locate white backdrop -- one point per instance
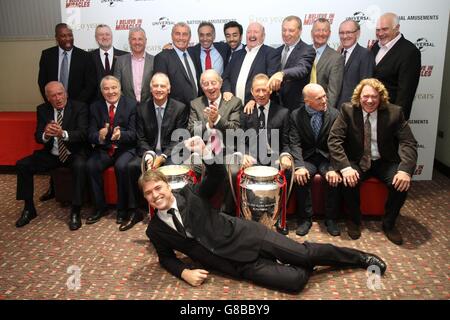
(425, 23)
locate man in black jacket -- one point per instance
(185, 222)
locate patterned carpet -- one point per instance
(34, 260)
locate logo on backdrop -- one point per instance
(78, 3)
(419, 18)
(311, 17)
(163, 22)
(424, 96)
(418, 121)
(418, 170)
(359, 17)
(426, 71)
(423, 44)
(127, 24)
(111, 3)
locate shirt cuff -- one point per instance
(65, 136)
(345, 169)
(43, 138)
(404, 172)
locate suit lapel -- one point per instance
(183, 204)
(391, 51)
(151, 119)
(147, 71)
(128, 66)
(352, 57)
(382, 119)
(67, 114)
(166, 119)
(306, 120)
(256, 62)
(176, 58)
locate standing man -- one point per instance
(208, 54)
(185, 222)
(328, 67)
(358, 61)
(255, 58)
(309, 129)
(397, 62)
(105, 57)
(112, 131)
(371, 137)
(233, 36)
(296, 59)
(179, 66)
(134, 70)
(62, 129)
(155, 122)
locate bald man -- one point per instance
(309, 129)
(398, 62)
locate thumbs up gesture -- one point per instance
(116, 134)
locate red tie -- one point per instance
(111, 122)
(208, 63)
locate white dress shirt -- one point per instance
(245, 69)
(385, 49)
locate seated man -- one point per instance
(309, 130)
(371, 137)
(155, 122)
(113, 134)
(240, 248)
(62, 129)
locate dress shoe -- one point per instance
(332, 228)
(393, 235)
(26, 217)
(96, 216)
(283, 231)
(121, 217)
(368, 259)
(303, 227)
(135, 217)
(353, 230)
(49, 194)
(75, 221)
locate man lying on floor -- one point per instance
(185, 222)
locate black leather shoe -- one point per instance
(135, 217)
(353, 230)
(121, 217)
(96, 216)
(283, 231)
(75, 221)
(49, 194)
(393, 235)
(368, 259)
(26, 217)
(332, 228)
(303, 227)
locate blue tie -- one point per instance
(316, 120)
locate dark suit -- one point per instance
(238, 247)
(81, 82)
(397, 147)
(266, 61)
(100, 69)
(312, 154)
(124, 72)
(100, 160)
(359, 66)
(296, 74)
(147, 138)
(168, 62)
(75, 122)
(399, 70)
(195, 52)
(330, 71)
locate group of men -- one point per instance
(340, 113)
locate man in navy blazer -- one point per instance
(232, 31)
(184, 78)
(358, 61)
(255, 58)
(296, 59)
(398, 62)
(112, 131)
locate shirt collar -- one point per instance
(61, 51)
(240, 47)
(391, 43)
(173, 206)
(372, 114)
(217, 101)
(110, 52)
(350, 50)
(292, 46)
(266, 106)
(133, 57)
(254, 49)
(163, 105)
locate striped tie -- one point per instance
(62, 149)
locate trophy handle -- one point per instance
(291, 183)
(152, 155)
(230, 176)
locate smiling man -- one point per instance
(371, 137)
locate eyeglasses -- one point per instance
(347, 33)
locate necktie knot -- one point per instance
(111, 108)
(171, 211)
(208, 61)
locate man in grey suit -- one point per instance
(359, 62)
(134, 70)
(328, 67)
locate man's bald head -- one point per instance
(388, 27)
(315, 96)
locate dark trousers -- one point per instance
(42, 161)
(296, 261)
(321, 165)
(385, 171)
(98, 162)
(133, 174)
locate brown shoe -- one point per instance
(393, 235)
(353, 230)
